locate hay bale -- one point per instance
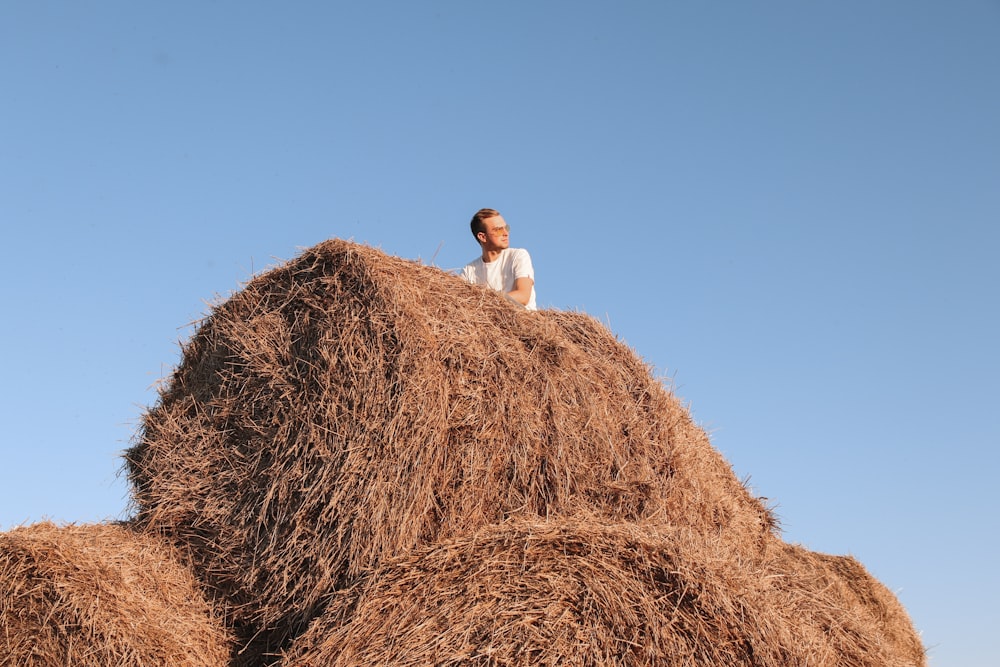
(833, 606)
(548, 593)
(101, 596)
(587, 595)
(347, 407)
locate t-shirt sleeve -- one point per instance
(522, 265)
(468, 275)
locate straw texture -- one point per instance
(585, 594)
(101, 596)
(348, 407)
(835, 612)
(544, 593)
(368, 461)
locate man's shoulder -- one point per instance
(470, 270)
(519, 255)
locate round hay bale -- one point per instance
(348, 406)
(587, 595)
(833, 606)
(101, 596)
(549, 593)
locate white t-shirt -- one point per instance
(500, 274)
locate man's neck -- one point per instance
(491, 255)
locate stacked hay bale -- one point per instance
(831, 606)
(582, 593)
(348, 407)
(548, 593)
(370, 461)
(101, 596)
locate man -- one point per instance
(500, 267)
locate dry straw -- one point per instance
(548, 593)
(348, 407)
(584, 594)
(831, 607)
(371, 462)
(101, 596)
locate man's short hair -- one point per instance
(482, 214)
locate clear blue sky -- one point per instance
(791, 209)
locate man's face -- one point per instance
(497, 234)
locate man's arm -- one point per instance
(522, 290)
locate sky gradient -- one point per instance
(789, 209)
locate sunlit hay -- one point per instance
(705, 495)
(579, 593)
(348, 406)
(549, 593)
(833, 606)
(101, 596)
